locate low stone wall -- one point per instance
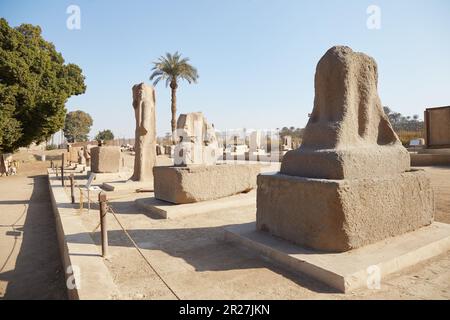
(201, 183)
(432, 159)
(85, 271)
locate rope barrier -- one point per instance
(111, 210)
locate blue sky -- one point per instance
(256, 58)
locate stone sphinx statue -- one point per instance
(350, 182)
(197, 141)
(145, 133)
(348, 134)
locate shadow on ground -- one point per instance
(202, 248)
(38, 272)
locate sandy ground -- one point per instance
(30, 265)
(189, 255)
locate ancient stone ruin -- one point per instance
(195, 176)
(255, 141)
(197, 141)
(197, 183)
(105, 159)
(350, 183)
(145, 133)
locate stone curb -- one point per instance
(87, 276)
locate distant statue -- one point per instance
(4, 163)
(81, 158)
(145, 133)
(87, 155)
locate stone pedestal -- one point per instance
(351, 270)
(200, 183)
(340, 215)
(105, 159)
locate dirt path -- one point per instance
(30, 265)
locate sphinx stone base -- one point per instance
(347, 271)
(128, 185)
(167, 210)
(196, 183)
(340, 215)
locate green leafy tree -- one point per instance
(35, 84)
(172, 68)
(105, 135)
(77, 126)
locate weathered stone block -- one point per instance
(340, 215)
(200, 183)
(349, 163)
(73, 154)
(105, 159)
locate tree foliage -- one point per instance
(171, 68)
(77, 126)
(35, 84)
(105, 135)
(403, 123)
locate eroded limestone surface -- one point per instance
(145, 133)
(200, 183)
(348, 135)
(105, 159)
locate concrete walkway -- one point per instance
(30, 266)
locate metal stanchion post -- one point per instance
(103, 224)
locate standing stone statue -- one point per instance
(4, 163)
(145, 134)
(287, 143)
(81, 158)
(87, 154)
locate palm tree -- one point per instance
(173, 68)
